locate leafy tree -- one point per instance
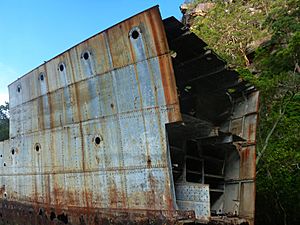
(278, 178)
(4, 121)
(231, 28)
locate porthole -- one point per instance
(42, 77)
(19, 88)
(134, 33)
(97, 140)
(37, 147)
(61, 67)
(85, 55)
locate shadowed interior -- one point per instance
(202, 149)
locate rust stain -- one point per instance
(170, 89)
(77, 181)
(41, 122)
(113, 195)
(2, 190)
(250, 130)
(25, 214)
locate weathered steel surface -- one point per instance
(213, 98)
(88, 129)
(88, 141)
(242, 172)
(192, 196)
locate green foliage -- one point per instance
(230, 28)
(278, 178)
(4, 122)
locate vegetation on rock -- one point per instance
(261, 39)
(4, 122)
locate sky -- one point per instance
(34, 31)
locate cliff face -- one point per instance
(233, 29)
(190, 11)
(261, 39)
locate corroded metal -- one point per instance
(88, 140)
(98, 112)
(192, 196)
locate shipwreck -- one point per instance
(139, 124)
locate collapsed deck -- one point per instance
(141, 123)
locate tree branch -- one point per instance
(260, 154)
(281, 114)
(277, 197)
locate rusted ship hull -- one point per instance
(139, 124)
